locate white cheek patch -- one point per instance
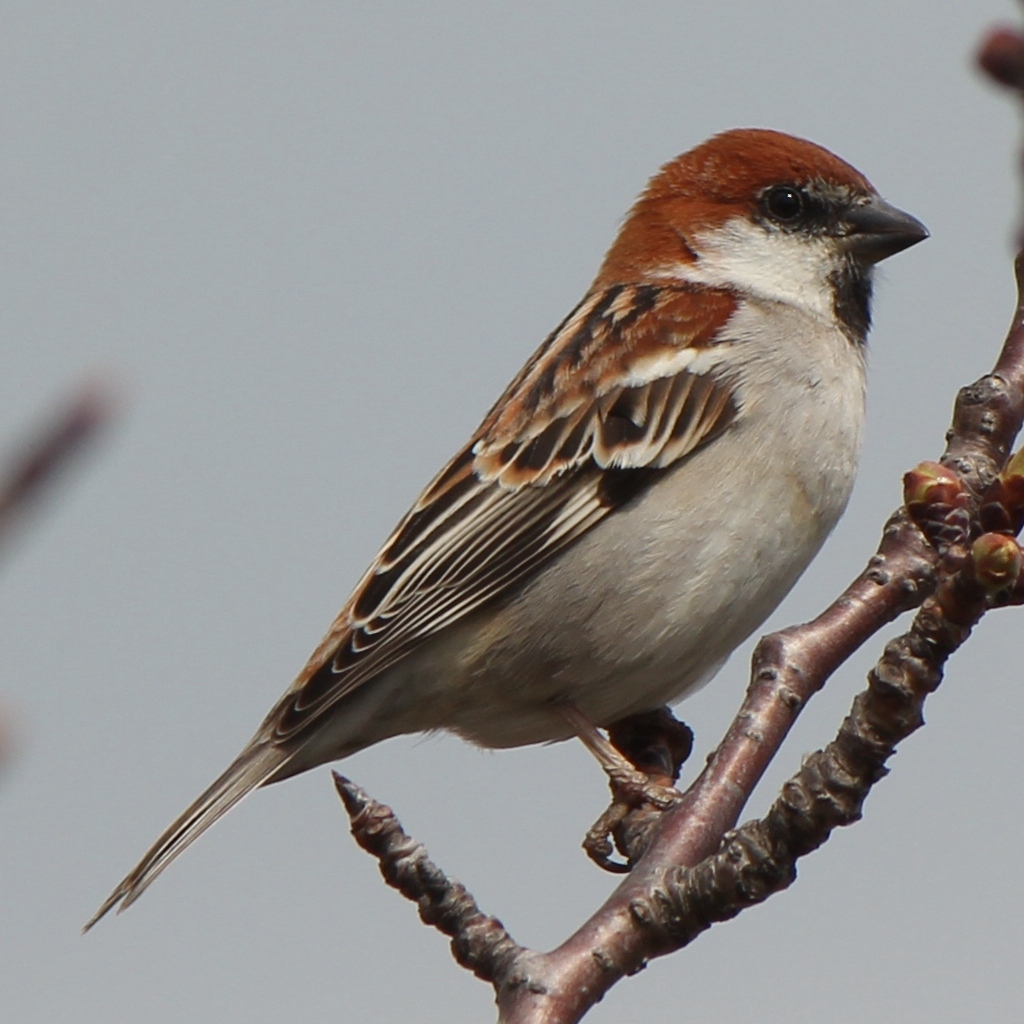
(774, 265)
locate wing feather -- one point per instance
(609, 396)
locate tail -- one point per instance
(255, 765)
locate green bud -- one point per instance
(996, 559)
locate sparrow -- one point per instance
(638, 501)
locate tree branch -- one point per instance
(479, 943)
(49, 453)
(40, 462)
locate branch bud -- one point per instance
(937, 500)
(930, 483)
(996, 559)
(1001, 57)
(1003, 507)
(1015, 467)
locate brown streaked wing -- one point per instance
(579, 433)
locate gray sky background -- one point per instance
(311, 242)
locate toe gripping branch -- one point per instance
(655, 743)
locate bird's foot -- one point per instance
(650, 749)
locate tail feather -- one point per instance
(255, 765)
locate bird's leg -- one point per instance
(641, 757)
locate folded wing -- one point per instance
(604, 406)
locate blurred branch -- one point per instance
(33, 471)
(950, 551)
(1001, 57)
(49, 453)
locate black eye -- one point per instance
(784, 203)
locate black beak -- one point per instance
(877, 230)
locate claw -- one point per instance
(637, 801)
(641, 756)
(598, 843)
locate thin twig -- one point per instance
(49, 453)
(479, 943)
(41, 461)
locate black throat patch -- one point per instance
(851, 286)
